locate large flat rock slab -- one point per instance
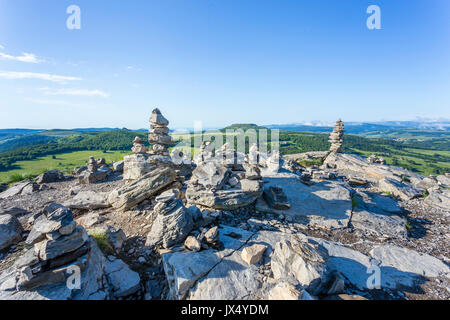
(326, 204)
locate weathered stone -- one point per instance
(286, 291)
(212, 235)
(88, 177)
(50, 249)
(50, 176)
(91, 219)
(88, 200)
(409, 261)
(222, 199)
(276, 198)
(53, 221)
(402, 190)
(118, 166)
(25, 187)
(211, 174)
(171, 228)
(123, 280)
(253, 254)
(137, 191)
(326, 205)
(439, 199)
(10, 231)
(192, 244)
(301, 261)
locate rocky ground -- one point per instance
(333, 227)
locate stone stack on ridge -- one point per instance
(159, 134)
(138, 146)
(93, 173)
(143, 160)
(59, 246)
(337, 137)
(224, 182)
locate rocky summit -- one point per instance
(226, 225)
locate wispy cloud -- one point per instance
(50, 102)
(1, 47)
(75, 92)
(42, 76)
(25, 57)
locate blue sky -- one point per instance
(221, 62)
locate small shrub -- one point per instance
(355, 202)
(407, 225)
(425, 194)
(405, 178)
(102, 240)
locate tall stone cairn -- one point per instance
(337, 137)
(159, 134)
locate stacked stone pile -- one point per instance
(95, 171)
(159, 133)
(172, 223)
(337, 137)
(225, 182)
(138, 146)
(144, 161)
(59, 247)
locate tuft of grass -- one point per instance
(407, 225)
(425, 194)
(355, 202)
(102, 240)
(17, 177)
(405, 178)
(310, 163)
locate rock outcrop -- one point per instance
(46, 270)
(173, 221)
(135, 192)
(10, 231)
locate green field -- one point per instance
(33, 155)
(64, 162)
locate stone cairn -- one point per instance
(159, 134)
(337, 137)
(97, 170)
(59, 245)
(225, 181)
(138, 146)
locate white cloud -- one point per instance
(32, 75)
(1, 47)
(75, 92)
(25, 57)
(50, 102)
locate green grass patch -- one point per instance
(102, 240)
(64, 162)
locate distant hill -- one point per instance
(243, 126)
